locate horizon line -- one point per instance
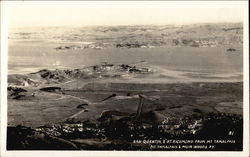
(118, 25)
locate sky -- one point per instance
(25, 14)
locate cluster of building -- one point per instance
(120, 68)
(80, 129)
(207, 43)
(100, 46)
(50, 130)
(133, 45)
(181, 126)
(77, 47)
(195, 42)
(57, 130)
(128, 130)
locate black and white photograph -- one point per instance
(139, 76)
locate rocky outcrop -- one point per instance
(16, 92)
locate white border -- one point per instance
(129, 4)
(4, 63)
(123, 4)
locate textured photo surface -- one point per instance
(151, 79)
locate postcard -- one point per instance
(125, 78)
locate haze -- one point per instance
(79, 15)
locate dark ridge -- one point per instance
(231, 49)
(51, 89)
(81, 106)
(230, 29)
(16, 89)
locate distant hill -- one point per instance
(196, 35)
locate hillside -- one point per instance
(98, 37)
(106, 70)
